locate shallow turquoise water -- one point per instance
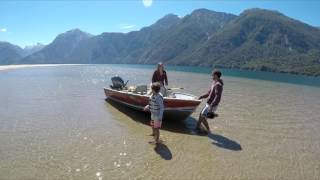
(55, 124)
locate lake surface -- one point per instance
(55, 124)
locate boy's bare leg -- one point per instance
(152, 134)
(156, 135)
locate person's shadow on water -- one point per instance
(218, 140)
(163, 151)
(224, 142)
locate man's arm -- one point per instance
(205, 95)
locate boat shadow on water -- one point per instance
(178, 126)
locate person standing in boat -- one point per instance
(156, 107)
(160, 75)
(214, 97)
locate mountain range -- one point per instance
(33, 48)
(13, 54)
(257, 39)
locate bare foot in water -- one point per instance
(156, 142)
(152, 142)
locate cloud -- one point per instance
(3, 30)
(126, 26)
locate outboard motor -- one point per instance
(118, 83)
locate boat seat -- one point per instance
(141, 89)
(131, 89)
(171, 95)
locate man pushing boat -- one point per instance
(214, 97)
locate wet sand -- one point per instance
(55, 124)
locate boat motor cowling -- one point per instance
(118, 83)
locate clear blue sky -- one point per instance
(25, 22)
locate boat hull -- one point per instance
(174, 108)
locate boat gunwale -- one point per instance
(166, 98)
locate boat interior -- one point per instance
(144, 90)
(119, 85)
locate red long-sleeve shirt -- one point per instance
(157, 77)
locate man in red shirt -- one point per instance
(160, 75)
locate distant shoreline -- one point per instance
(242, 73)
(18, 66)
